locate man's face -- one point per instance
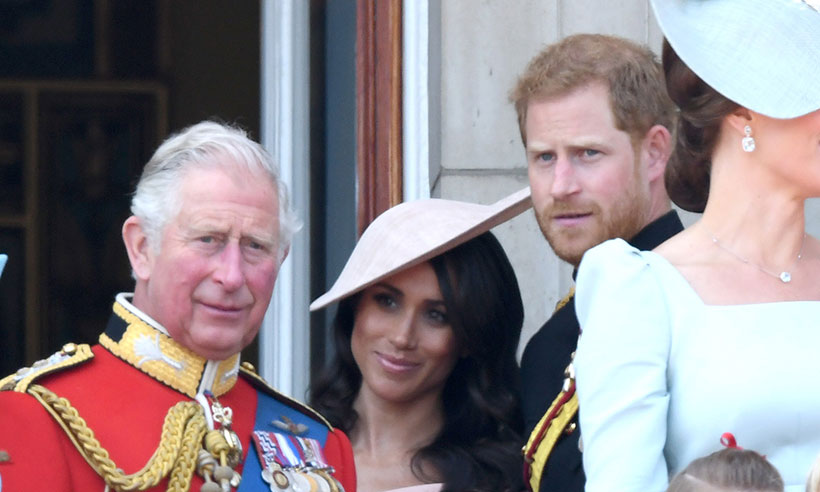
(210, 283)
(588, 185)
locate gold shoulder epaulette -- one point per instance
(555, 423)
(71, 355)
(247, 370)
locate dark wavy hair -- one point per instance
(479, 446)
(702, 109)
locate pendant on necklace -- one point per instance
(785, 277)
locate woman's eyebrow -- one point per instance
(389, 287)
(436, 303)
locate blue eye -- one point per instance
(591, 152)
(256, 246)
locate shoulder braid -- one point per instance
(174, 457)
(71, 355)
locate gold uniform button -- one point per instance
(69, 349)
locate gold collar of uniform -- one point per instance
(143, 346)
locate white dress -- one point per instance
(661, 375)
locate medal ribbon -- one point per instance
(290, 455)
(294, 443)
(310, 451)
(316, 453)
(266, 448)
(291, 452)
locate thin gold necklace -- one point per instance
(785, 276)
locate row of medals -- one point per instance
(304, 479)
(296, 479)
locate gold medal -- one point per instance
(234, 454)
(276, 477)
(280, 479)
(321, 484)
(299, 482)
(332, 484)
(314, 485)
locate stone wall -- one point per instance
(484, 45)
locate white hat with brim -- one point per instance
(413, 232)
(762, 54)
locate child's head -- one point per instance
(728, 470)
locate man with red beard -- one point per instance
(595, 121)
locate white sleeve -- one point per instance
(621, 370)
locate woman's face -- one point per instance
(793, 146)
(402, 340)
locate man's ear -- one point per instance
(657, 148)
(136, 244)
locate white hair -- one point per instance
(156, 199)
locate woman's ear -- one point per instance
(738, 119)
(136, 244)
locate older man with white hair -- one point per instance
(163, 403)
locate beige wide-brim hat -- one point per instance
(761, 54)
(414, 232)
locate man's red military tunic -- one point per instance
(124, 388)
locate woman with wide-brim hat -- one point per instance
(424, 379)
(716, 330)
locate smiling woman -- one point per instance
(424, 379)
(402, 340)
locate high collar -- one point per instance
(653, 234)
(657, 231)
(143, 343)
